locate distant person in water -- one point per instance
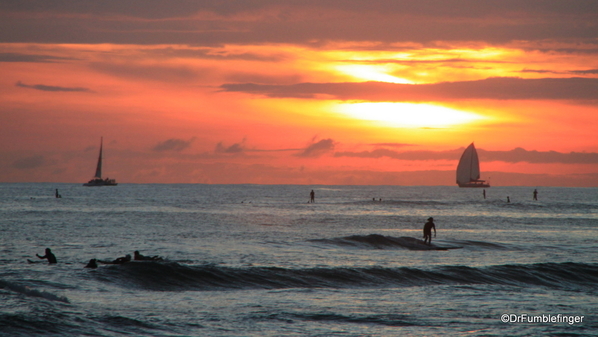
(535, 194)
(122, 260)
(484, 193)
(58, 194)
(428, 231)
(51, 258)
(508, 199)
(312, 196)
(92, 264)
(138, 257)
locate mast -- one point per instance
(474, 171)
(99, 167)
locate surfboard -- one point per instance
(443, 248)
(420, 244)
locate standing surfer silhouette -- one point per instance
(312, 196)
(428, 231)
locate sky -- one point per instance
(376, 92)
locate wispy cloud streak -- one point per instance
(53, 88)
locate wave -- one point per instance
(386, 319)
(25, 290)
(376, 241)
(172, 276)
(73, 324)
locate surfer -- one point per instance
(138, 257)
(122, 260)
(51, 257)
(119, 260)
(484, 193)
(428, 231)
(92, 264)
(57, 195)
(535, 194)
(312, 196)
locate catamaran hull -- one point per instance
(101, 182)
(94, 184)
(474, 185)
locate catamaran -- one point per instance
(468, 170)
(97, 179)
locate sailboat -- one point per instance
(97, 179)
(468, 170)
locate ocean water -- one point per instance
(257, 260)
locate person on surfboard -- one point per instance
(138, 257)
(51, 257)
(120, 260)
(428, 231)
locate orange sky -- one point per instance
(299, 92)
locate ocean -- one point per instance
(260, 260)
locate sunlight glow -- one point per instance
(371, 73)
(409, 114)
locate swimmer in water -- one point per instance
(51, 257)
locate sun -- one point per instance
(408, 114)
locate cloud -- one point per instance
(173, 144)
(44, 87)
(513, 156)
(215, 22)
(233, 149)
(521, 155)
(241, 148)
(150, 72)
(407, 155)
(29, 162)
(574, 72)
(16, 57)
(211, 54)
(318, 149)
(263, 79)
(585, 72)
(391, 144)
(514, 88)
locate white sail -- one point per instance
(468, 170)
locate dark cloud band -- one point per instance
(513, 88)
(513, 156)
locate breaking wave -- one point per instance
(376, 241)
(175, 277)
(27, 291)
